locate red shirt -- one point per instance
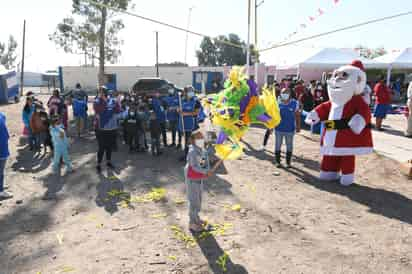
(382, 94)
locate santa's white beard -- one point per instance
(340, 93)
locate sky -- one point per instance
(276, 19)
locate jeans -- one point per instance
(2, 168)
(187, 140)
(194, 195)
(155, 145)
(279, 140)
(59, 153)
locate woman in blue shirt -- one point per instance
(4, 154)
(289, 124)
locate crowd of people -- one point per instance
(139, 118)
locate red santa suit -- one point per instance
(347, 121)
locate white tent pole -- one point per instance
(388, 75)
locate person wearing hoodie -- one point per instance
(107, 111)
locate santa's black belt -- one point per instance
(339, 124)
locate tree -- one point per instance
(370, 53)
(218, 53)
(8, 53)
(173, 64)
(92, 29)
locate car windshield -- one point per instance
(149, 84)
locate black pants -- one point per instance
(187, 139)
(267, 135)
(173, 129)
(164, 133)
(106, 140)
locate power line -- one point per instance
(163, 23)
(337, 30)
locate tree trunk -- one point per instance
(102, 36)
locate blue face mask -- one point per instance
(284, 96)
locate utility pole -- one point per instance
(257, 5)
(187, 33)
(157, 54)
(248, 38)
(22, 58)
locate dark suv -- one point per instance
(151, 86)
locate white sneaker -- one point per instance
(5, 195)
(262, 148)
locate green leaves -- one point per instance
(8, 53)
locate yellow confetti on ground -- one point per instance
(217, 230)
(113, 178)
(179, 201)
(252, 188)
(180, 235)
(99, 225)
(222, 260)
(236, 207)
(171, 257)
(117, 193)
(155, 195)
(160, 215)
(66, 269)
(59, 238)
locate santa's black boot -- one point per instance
(288, 159)
(277, 159)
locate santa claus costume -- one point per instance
(347, 120)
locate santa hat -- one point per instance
(358, 64)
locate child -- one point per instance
(289, 123)
(60, 144)
(130, 124)
(196, 170)
(26, 116)
(39, 126)
(155, 131)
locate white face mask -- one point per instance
(284, 96)
(200, 143)
(132, 113)
(171, 91)
(190, 94)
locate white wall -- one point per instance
(127, 76)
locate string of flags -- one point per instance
(312, 18)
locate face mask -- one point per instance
(284, 96)
(140, 101)
(171, 91)
(200, 143)
(131, 113)
(190, 94)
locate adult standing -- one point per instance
(55, 103)
(159, 109)
(4, 154)
(408, 132)
(172, 104)
(106, 109)
(188, 114)
(382, 102)
(80, 100)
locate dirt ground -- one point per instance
(291, 223)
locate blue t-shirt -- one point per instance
(172, 103)
(158, 108)
(4, 138)
(287, 114)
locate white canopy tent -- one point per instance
(312, 62)
(396, 60)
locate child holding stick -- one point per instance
(196, 171)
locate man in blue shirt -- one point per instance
(4, 154)
(159, 108)
(172, 104)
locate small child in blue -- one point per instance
(289, 124)
(60, 144)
